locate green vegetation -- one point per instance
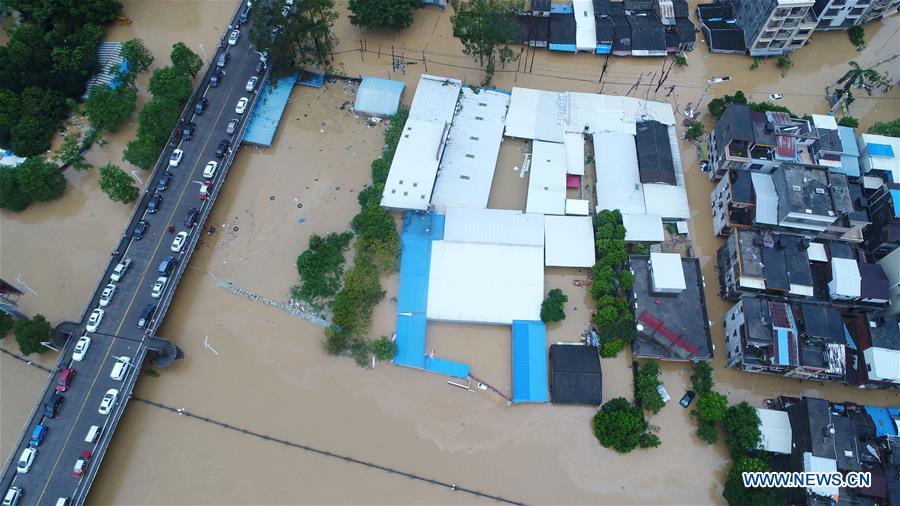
(109, 108)
(737, 495)
(755, 64)
(711, 406)
(769, 106)
(388, 14)
(321, 267)
(384, 349)
(69, 153)
(139, 58)
(681, 60)
(857, 37)
(622, 427)
(701, 379)
(889, 128)
(117, 184)
(717, 106)
(784, 64)
(553, 307)
(30, 332)
(185, 60)
(645, 383)
(849, 121)
(304, 37)
(867, 78)
(486, 28)
(611, 282)
(695, 131)
(35, 180)
(6, 324)
(741, 429)
(171, 83)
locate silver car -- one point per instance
(232, 126)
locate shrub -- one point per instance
(681, 61)
(849, 121)
(857, 37)
(609, 348)
(889, 128)
(701, 379)
(708, 431)
(645, 383)
(711, 406)
(320, 268)
(553, 307)
(695, 131)
(384, 348)
(621, 426)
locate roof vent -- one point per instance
(796, 188)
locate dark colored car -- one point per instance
(232, 126)
(146, 314)
(216, 79)
(139, 230)
(154, 203)
(65, 379)
(189, 130)
(191, 217)
(201, 105)
(222, 148)
(223, 60)
(163, 182)
(244, 16)
(51, 407)
(260, 67)
(167, 265)
(687, 398)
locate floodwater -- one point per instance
(264, 370)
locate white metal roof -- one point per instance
(813, 464)
(435, 99)
(824, 122)
(574, 143)
(884, 364)
(578, 207)
(493, 226)
(643, 228)
(585, 30)
(816, 252)
(569, 241)
(668, 271)
(466, 170)
(845, 278)
(668, 201)
(775, 427)
(535, 114)
(485, 283)
(618, 180)
(766, 198)
(547, 179)
(884, 163)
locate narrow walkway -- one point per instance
(293, 310)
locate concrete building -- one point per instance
(775, 27)
(720, 29)
(883, 235)
(877, 340)
(879, 8)
(752, 261)
(891, 266)
(840, 14)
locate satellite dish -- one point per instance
(640, 328)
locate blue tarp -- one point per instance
(895, 196)
(880, 150)
(269, 108)
(562, 9)
(604, 49)
(783, 355)
(378, 97)
(883, 420)
(850, 342)
(529, 361)
(120, 75)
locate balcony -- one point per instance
(738, 150)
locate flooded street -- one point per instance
(265, 370)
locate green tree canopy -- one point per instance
(139, 58)
(109, 108)
(69, 153)
(320, 268)
(73, 12)
(695, 131)
(12, 196)
(157, 119)
(353, 305)
(553, 307)
(486, 28)
(303, 37)
(849, 121)
(30, 332)
(742, 432)
(185, 60)
(383, 348)
(701, 379)
(171, 83)
(621, 426)
(388, 14)
(6, 324)
(867, 78)
(738, 495)
(711, 406)
(717, 106)
(117, 184)
(40, 180)
(142, 152)
(645, 387)
(378, 237)
(889, 128)
(708, 431)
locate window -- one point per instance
(830, 13)
(804, 33)
(857, 11)
(756, 166)
(768, 35)
(780, 13)
(797, 43)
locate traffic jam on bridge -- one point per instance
(61, 447)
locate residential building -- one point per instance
(839, 14)
(648, 37)
(883, 235)
(877, 342)
(775, 27)
(752, 261)
(891, 265)
(879, 8)
(575, 375)
(720, 28)
(879, 155)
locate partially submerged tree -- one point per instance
(40, 180)
(486, 28)
(646, 383)
(139, 58)
(889, 128)
(30, 333)
(108, 108)
(622, 427)
(388, 14)
(866, 78)
(185, 60)
(742, 432)
(303, 37)
(69, 153)
(553, 307)
(117, 184)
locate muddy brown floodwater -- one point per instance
(267, 371)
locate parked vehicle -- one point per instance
(94, 320)
(233, 37)
(189, 130)
(663, 393)
(241, 105)
(25, 460)
(108, 401)
(179, 241)
(38, 434)
(51, 407)
(120, 269)
(12, 496)
(222, 148)
(145, 316)
(201, 106)
(244, 16)
(62, 501)
(154, 203)
(120, 368)
(175, 157)
(251, 83)
(222, 60)
(210, 170)
(82, 463)
(107, 295)
(92, 434)
(776, 96)
(158, 287)
(81, 348)
(687, 398)
(232, 126)
(203, 194)
(139, 229)
(260, 67)
(65, 379)
(164, 181)
(190, 217)
(216, 78)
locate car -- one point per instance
(175, 158)
(201, 106)
(62, 501)
(154, 203)
(251, 83)
(203, 194)
(289, 3)
(189, 130)
(244, 16)
(108, 401)
(94, 320)
(216, 78)
(51, 407)
(120, 269)
(38, 435)
(81, 348)
(210, 170)
(233, 37)
(776, 96)
(260, 67)
(25, 460)
(285, 11)
(179, 241)
(139, 229)
(663, 393)
(120, 368)
(164, 181)
(687, 398)
(107, 295)
(232, 126)
(12, 496)
(222, 60)
(146, 314)
(190, 217)
(158, 287)
(167, 265)
(65, 379)
(222, 148)
(241, 105)
(81, 464)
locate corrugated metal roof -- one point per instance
(569, 241)
(668, 201)
(618, 181)
(574, 143)
(493, 226)
(378, 97)
(643, 228)
(766, 199)
(585, 32)
(775, 429)
(845, 278)
(547, 179)
(529, 362)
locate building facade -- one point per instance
(840, 14)
(775, 27)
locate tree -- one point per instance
(353, 305)
(40, 179)
(784, 63)
(609, 348)
(108, 108)
(681, 60)
(389, 14)
(553, 307)
(867, 78)
(889, 128)
(117, 184)
(603, 281)
(717, 106)
(711, 406)
(320, 268)
(857, 37)
(646, 383)
(9, 115)
(142, 152)
(741, 429)
(30, 332)
(185, 60)
(695, 131)
(139, 58)
(378, 237)
(69, 153)
(708, 431)
(611, 310)
(849, 121)
(486, 28)
(12, 196)
(384, 348)
(43, 12)
(303, 37)
(6, 324)
(738, 495)
(171, 83)
(157, 119)
(621, 426)
(701, 379)
(770, 107)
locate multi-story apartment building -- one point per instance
(775, 27)
(840, 14)
(879, 8)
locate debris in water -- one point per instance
(301, 220)
(271, 197)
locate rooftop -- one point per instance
(647, 33)
(378, 97)
(802, 190)
(654, 153)
(576, 377)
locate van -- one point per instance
(120, 368)
(12, 496)
(92, 434)
(168, 263)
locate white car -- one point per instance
(94, 320)
(120, 269)
(251, 83)
(210, 170)
(242, 105)
(286, 11)
(107, 295)
(26, 459)
(233, 37)
(81, 348)
(776, 96)
(179, 241)
(158, 287)
(120, 368)
(176, 157)
(108, 401)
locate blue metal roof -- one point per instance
(378, 97)
(848, 141)
(880, 150)
(883, 420)
(273, 99)
(895, 196)
(529, 361)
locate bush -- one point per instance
(784, 63)
(711, 406)
(621, 426)
(695, 131)
(857, 37)
(849, 121)
(384, 348)
(701, 379)
(353, 305)
(609, 348)
(645, 383)
(30, 333)
(336, 340)
(6, 324)
(360, 351)
(889, 128)
(553, 307)
(769, 107)
(708, 431)
(378, 238)
(320, 268)
(741, 429)
(681, 61)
